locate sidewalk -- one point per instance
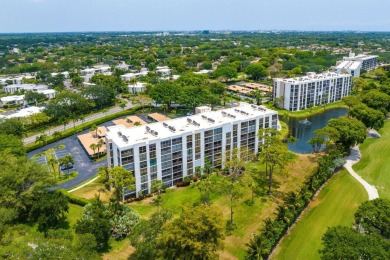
(353, 158)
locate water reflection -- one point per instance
(303, 130)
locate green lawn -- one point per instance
(248, 219)
(75, 212)
(374, 166)
(335, 205)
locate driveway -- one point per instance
(85, 167)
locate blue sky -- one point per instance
(140, 15)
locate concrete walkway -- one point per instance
(353, 158)
(84, 184)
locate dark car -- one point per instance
(66, 166)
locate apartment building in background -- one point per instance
(299, 93)
(353, 64)
(176, 148)
(369, 62)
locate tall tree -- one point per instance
(146, 233)
(166, 93)
(121, 179)
(346, 243)
(22, 183)
(256, 71)
(233, 190)
(274, 153)
(198, 234)
(351, 131)
(49, 210)
(373, 217)
(12, 144)
(12, 126)
(95, 221)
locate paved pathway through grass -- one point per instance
(353, 158)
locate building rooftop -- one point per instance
(352, 65)
(12, 98)
(158, 117)
(27, 86)
(311, 76)
(25, 112)
(124, 136)
(360, 57)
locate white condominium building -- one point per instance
(351, 67)
(173, 149)
(295, 94)
(368, 62)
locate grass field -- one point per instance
(374, 167)
(335, 205)
(248, 218)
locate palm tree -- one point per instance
(63, 120)
(67, 160)
(122, 105)
(57, 135)
(53, 163)
(93, 147)
(137, 123)
(74, 118)
(256, 247)
(41, 139)
(94, 128)
(61, 162)
(82, 118)
(99, 145)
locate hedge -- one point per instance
(73, 199)
(82, 127)
(294, 203)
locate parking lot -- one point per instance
(41, 160)
(61, 153)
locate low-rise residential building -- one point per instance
(136, 88)
(12, 100)
(163, 71)
(98, 69)
(131, 76)
(25, 87)
(65, 73)
(25, 112)
(173, 149)
(15, 79)
(299, 93)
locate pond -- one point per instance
(303, 129)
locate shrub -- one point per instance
(288, 212)
(73, 199)
(187, 180)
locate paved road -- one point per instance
(353, 158)
(49, 132)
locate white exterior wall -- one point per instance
(226, 127)
(302, 99)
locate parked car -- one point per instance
(66, 167)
